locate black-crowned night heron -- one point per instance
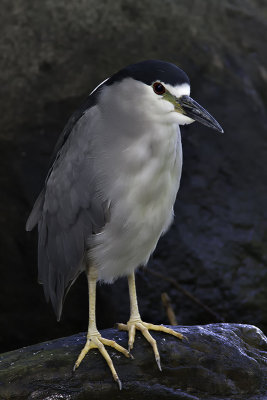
(109, 194)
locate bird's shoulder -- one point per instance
(68, 130)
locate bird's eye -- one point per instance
(158, 88)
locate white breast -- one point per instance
(141, 180)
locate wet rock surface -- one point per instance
(218, 361)
(52, 55)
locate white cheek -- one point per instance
(166, 106)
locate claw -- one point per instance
(158, 362)
(119, 383)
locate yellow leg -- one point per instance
(135, 322)
(94, 338)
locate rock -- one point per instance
(222, 361)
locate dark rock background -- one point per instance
(52, 55)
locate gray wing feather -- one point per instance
(68, 211)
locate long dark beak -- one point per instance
(193, 110)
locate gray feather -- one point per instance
(68, 210)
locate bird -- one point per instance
(110, 190)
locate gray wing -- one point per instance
(68, 210)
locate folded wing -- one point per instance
(68, 210)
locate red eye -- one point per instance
(158, 88)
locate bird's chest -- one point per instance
(150, 179)
(146, 185)
(142, 182)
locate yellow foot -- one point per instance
(144, 328)
(96, 341)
